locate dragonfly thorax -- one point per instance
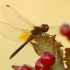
(44, 27)
(39, 30)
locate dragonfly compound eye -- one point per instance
(44, 27)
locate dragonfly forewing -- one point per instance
(13, 17)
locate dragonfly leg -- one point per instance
(45, 34)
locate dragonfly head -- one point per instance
(44, 27)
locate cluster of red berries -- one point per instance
(65, 30)
(46, 60)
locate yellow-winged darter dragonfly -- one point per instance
(20, 27)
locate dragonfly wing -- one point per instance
(13, 33)
(15, 18)
(54, 30)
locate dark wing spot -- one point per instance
(7, 5)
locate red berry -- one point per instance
(48, 59)
(24, 67)
(40, 66)
(65, 29)
(68, 36)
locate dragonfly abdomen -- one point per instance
(27, 41)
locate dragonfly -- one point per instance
(20, 28)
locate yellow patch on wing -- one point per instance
(24, 35)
